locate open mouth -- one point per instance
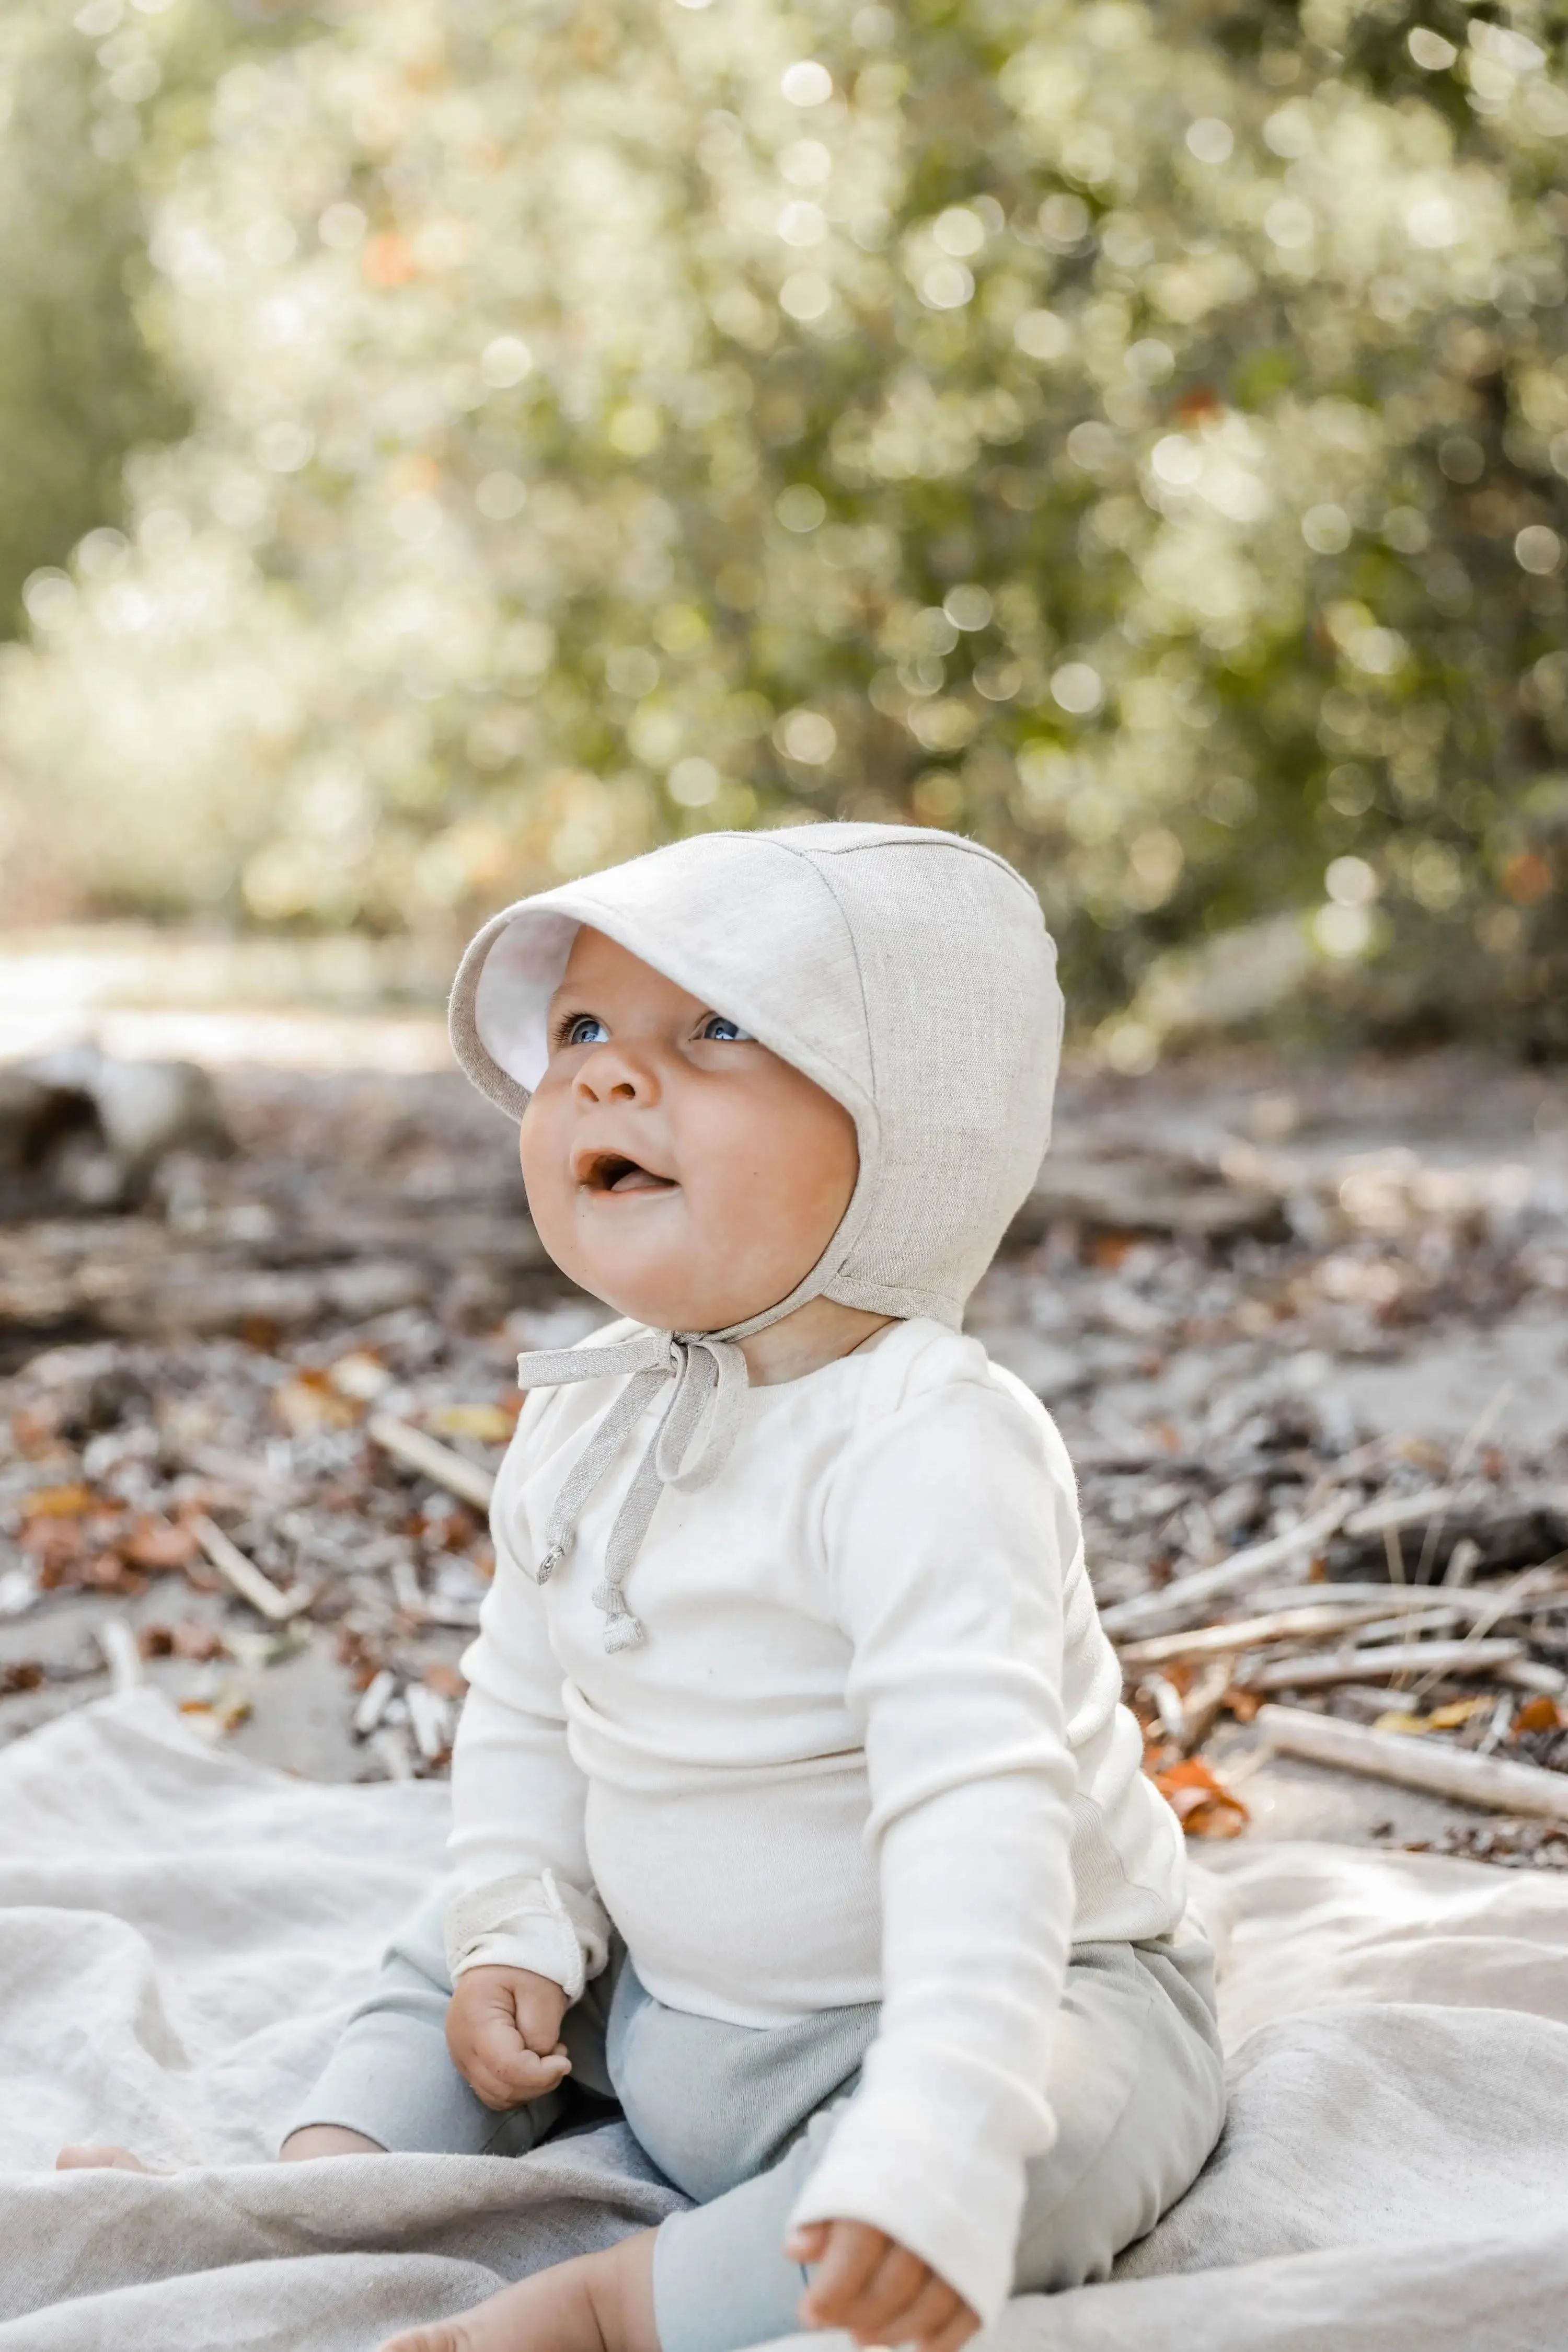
(612, 1171)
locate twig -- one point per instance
(1434, 1534)
(1415, 1763)
(1472, 1600)
(1303, 1622)
(453, 1471)
(1392, 1512)
(244, 1576)
(1206, 1696)
(121, 1657)
(430, 1718)
(1433, 1658)
(377, 1697)
(1501, 1602)
(1187, 1592)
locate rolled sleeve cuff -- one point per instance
(891, 2164)
(526, 1923)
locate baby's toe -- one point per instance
(98, 2159)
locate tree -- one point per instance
(1136, 437)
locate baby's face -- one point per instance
(676, 1168)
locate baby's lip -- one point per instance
(605, 1173)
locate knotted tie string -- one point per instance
(691, 1444)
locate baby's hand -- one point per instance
(867, 2283)
(503, 2029)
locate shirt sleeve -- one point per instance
(949, 1537)
(522, 1893)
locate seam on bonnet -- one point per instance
(813, 861)
(924, 840)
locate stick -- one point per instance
(1286, 1624)
(1388, 1658)
(1395, 1511)
(453, 1472)
(1462, 1461)
(377, 1696)
(1522, 1593)
(245, 1577)
(1415, 1763)
(121, 1657)
(1302, 1539)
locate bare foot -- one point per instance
(600, 2303)
(326, 2139)
(313, 2139)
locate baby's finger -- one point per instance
(854, 2251)
(807, 2244)
(886, 2295)
(505, 2077)
(958, 2332)
(499, 2048)
(933, 2309)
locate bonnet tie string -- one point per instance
(695, 1434)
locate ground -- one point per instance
(1245, 1284)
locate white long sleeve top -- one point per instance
(872, 1751)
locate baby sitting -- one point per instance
(794, 1807)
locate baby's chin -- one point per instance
(668, 1297)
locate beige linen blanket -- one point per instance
(181, 1932)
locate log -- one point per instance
(1416, 1762)
(453, 1472)
(1187, 1592)
(1388, 1658)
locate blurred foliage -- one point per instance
(79, 388)
(1137, 437)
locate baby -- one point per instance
(794, 1806)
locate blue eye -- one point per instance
(726, 1032)
(585, 1029)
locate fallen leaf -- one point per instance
(1460, 1710)
(188, 1639)
(309, 1403)
(1539, 1714)
(1204, 1806)
(1442, 1718)
(58, 1502)
(219, 1715)
(491, 1423)
(446, 1681)
(158, 1544)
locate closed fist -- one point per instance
(503, 2029)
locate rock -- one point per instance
(1149, 1192)
(78, 1131)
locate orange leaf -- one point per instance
(57, 1502)
(1204, 1806)
(1541, 1714)
(156, 1545)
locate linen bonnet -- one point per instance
(909, 973)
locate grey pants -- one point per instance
(737, 2116)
